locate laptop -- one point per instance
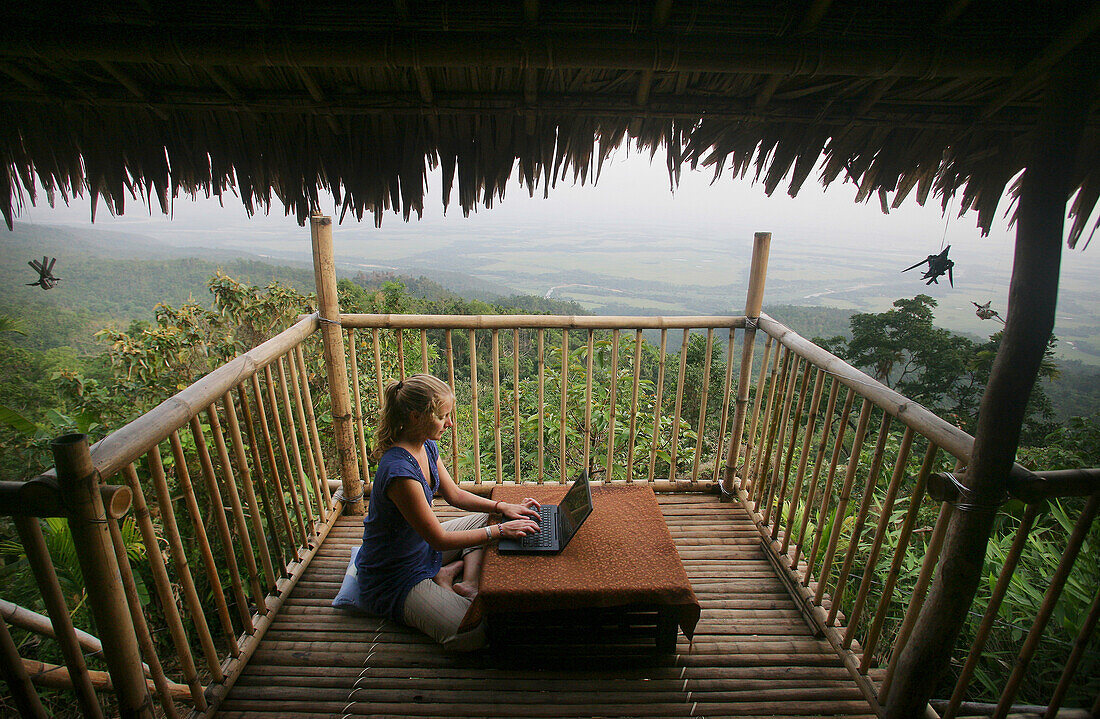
(557, 522)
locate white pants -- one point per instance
(438, 611)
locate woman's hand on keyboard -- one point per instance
(528, 509)
(518, 528)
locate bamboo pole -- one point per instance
(770, 428)
(495, 349)
(324, 267)
(15, 674)
(474, 407)
(826, 428)
(377, 345)
(454, 412)
(1080, 644)
(542, 402)
(612, 409)
(564, 396)
(275, 473)
(558, 322)
(751, 446)
(38, 557)
(515, 406)
(212, 576)
(236, 508)
(249, 490)
(297, 477)
(265, 496)
(754, 298)
(52, 676)
(77, 476)
(678, 406)
(588, 400)
(789, 458)
(804, 456)
(34, 622)
(701, 429)
(141, 627)
(827, 491)
(399, 335)
(307, 396)
(424, 351)
(657, 406)
(359, 433)
(727, 386)
(218, 510)
(634, 405)
(759, 444)
(312, 490)
(179, 558)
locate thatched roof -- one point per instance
(151, 99)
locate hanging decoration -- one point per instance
(46, 279)
(938, 266)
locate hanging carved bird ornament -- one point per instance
(46, 280)
(985, 312)
(938, 266)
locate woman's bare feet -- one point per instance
(446, 575)
(465, 589)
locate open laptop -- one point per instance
(558, 522)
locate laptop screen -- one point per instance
(575, 507)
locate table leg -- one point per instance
(667, 629)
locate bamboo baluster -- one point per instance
(203, 541)
(752, 446)
(861, 515)
(454, 412)
(564, 395)
(364, 469)
(218, 510)
(727, 387)
(634, 405)
(703, 408)
(265, 496)
(249, 490)
(163, 587)
(141, 628)
(1079, 645)
(767, 424)
(904, 537)
(474, 408)
(288, 471)
(38, 557)
(916, 601)
(826, 428)
(804, 455)
(271, 462)
(313, 489)
(880, 535)
(588, 400)
(657, 406)
(991, 610)
(827, 491)
(542, 403)
(769, 428)
(613, 408)
(842, 504)
(1050, 598)
(779, 440)
(790, 452)
(515, 404)
(377, 365)
(298, 482)
(183, 569)
(496, 406)
(424, 351)
(312, 417)
(399, 334)
(678, 405)
(238, 510)
(14, 673)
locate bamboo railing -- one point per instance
(238, 503)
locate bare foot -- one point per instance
(465, 589)
(446, 575)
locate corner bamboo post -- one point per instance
(312, 418)
(141, 627)
(213, 578)
(515, 405)
(314, 486)
(727, 385)
(495, 351)
(542, 400)
(79, 480)
(588, 399)
(826, 428)
(754, 299)
(249, 490)
(276, 475)
(703, 398)
(794, 424)
(265, 495)
(296, 481)
(359, 432)
(613, 407)
(804, 456)
(454, 412)
(657, 406)
(827, 490)
(678, 405)
(324, 266)
(38, 557)
(475, 430)
(564, 405)
(179, 558)
(23, 694)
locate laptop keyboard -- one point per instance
(544, 537)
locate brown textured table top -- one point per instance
(622, 555)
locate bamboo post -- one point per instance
(280, 442)
(23, 693)
(495, 351)
(612, 406)
(786, 472)
(296, 481)
(80, 481)
(400, 336)
(701, 429)
(564, 408)
(827, 490)
(324, 267)
(678, 405)
(1080, 644)
(588, 399)
(474, 413)
(454, 412)
(748, 479)
(515, 404)
(314, 487)
(363, 470)
(834, 391)
(542, 400)
(758, 272)
(657, 406)
(249, 490)
(312, 418)
(254, 448)
(727, 385)
(377, 346)
(424, 351)
(767, 425)
(800, 473)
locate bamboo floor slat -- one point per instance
(753, 654)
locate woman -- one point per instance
(412, 568)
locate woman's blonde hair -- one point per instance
(419, 393)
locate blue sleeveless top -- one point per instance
(394, 558)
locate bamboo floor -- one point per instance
(753, 654)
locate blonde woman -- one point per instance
(412, 568)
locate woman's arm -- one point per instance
(458, 497)
(408, 496)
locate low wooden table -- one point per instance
(622, 560)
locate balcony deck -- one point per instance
(753, 654)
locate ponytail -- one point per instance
(419, 393)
